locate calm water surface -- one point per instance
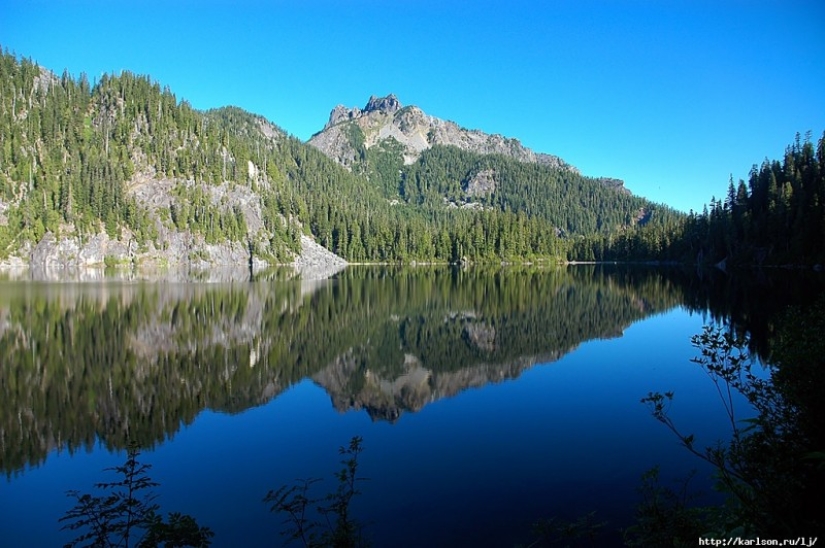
(486, 399)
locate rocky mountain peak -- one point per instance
(341, 114)
(385, 105)
(389, 104)
(384, 118)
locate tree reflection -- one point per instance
(120, 362)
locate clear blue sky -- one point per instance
(672, 96)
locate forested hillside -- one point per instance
(572, 203)
(74, 157)
(777, 217)
(124, 158)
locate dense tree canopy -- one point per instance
(777, 217)
(72, 153)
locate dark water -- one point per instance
(486, 399)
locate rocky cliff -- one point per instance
(383, 118)
(122, 173)
(174, 252)
(184, 257)
(179, 255)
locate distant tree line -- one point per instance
(777, 217)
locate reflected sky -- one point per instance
(566, 438)
(476, 466)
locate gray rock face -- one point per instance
(316, 262)
(174, 254)
(384, 117)
(73, 258)
(52, 253)
(186, 257)
(481, 184)
(342, 114)
(388, 104)
(615, 184)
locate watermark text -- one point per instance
(738, 541)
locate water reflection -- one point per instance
(120, 362)
(129, 361)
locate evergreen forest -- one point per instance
(776, 218)
(74, 155)
(122, 156)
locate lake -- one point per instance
(486, 399)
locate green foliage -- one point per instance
(70, 153)
(778, 217)
(65, 154)
(384, 164)
(798, 352)
(356, 139)
(69, 165)
(198, 214)
(666, 517)
(126, 515)
(766, 468)
(334, 526)
(563, 199)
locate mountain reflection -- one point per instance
(121, 362)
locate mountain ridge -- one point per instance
(167, 184)
(385, 117)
